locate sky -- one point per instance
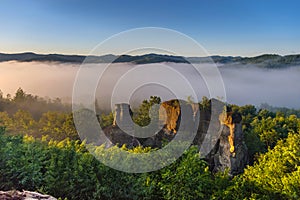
(223, 27)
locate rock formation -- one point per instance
(25, 195)
(230, 150)
(169, 114)
(219, 134)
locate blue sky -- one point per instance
(224, 27)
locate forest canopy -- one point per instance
(40, 151)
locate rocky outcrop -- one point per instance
(169, 114)
(219, 134)
(25, 195)
(230, 151)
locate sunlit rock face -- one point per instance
(169, 115)
(228, 149)
(177, 115)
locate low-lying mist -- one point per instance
(243, 84)
(252, 85)
(42, 79)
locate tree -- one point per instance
(20, 95)
(57, 125)
(6, 121)
(68, 127)
(278, 170)
(23, 122)
(271, 129)
(106, 120)
(205, 103)
(145, 114)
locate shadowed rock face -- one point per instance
(230, 151)
(228, 147)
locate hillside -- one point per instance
(263, 61)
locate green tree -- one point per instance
(58, 125)
(6, 121)
(271, 129)
(278, 170)
(187, 178)
(274, 176)
(144, 114)
(23, 122)
(106, 120)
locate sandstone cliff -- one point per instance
(230, 151)
(219, 134)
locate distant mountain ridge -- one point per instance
(264, 61)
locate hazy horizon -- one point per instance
(151, 52)
(243, 84)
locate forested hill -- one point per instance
(264, 61)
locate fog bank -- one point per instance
(243, 84)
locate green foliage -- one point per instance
(254, 144)
(274, 176)
(205, 103)
(106, 120)
(262, 130)
(60, 165)
(144, 114)
(285, 111)
(278, 170)
(23, 121)
(58, 125)
(35, 105)
(248, 113)
(5, 120)
(271, 129)
(188, 178)
(65, 169)
(70, 171)
(20, 95)
(2, 130)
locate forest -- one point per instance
(41, 151)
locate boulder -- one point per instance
(25, 195)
